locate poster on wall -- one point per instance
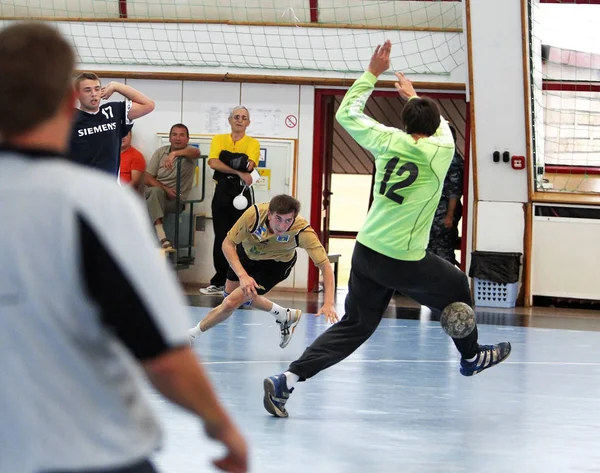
(263, 183)
(262, 160)
(217, 119)
(265, 122)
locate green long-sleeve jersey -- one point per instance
(408, 181)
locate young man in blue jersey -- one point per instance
(390, 251)
(99, 127)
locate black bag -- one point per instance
(501, 268)
(230, 183)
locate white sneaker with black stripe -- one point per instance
(287, 328)
(212, 290)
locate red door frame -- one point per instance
(317, 169)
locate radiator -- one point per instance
(566, 252)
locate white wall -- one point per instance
(500, 226)
(499, 116)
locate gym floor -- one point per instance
(399, 402)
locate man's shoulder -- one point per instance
(136, 153)
(262, 206)
(219, 140)
(252, 140)
(132, 154)
(90, 191)
(300, 223)
(81, 116)
(112, 104)
(219, 137)
(162, 150)
(84, 184)
(457, 159)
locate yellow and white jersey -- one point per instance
(252, 231)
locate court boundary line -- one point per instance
(391, 361)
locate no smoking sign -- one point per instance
(291, 121)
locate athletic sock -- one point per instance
(194, 331)
(291, 379)
(279, 312)
(160, 231)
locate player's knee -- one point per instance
(154, 192)
(251, 300)
(231, 302)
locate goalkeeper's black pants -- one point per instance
(432, 281)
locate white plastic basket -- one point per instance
(493, 294)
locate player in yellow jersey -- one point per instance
(261, 251)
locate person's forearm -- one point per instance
(190, 152)
(180, 378)
(132, 94)
(220, 166)
(328, 283)
(230, 253)
(367, 132)
(151, 181)
(140, 104)
(137, 179)
(452, 203)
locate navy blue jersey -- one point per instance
(96, 137)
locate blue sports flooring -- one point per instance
(399, 403)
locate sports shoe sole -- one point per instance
(271, 408)
(211, 293)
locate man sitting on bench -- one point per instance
(161, 178)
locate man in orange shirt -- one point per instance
(133, 165)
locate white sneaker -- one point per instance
(287, 328)
(212, 290)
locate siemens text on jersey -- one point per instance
(97, 129)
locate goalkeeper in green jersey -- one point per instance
(390, 251)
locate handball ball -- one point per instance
(240, 202)
(458, 320)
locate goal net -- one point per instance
(565, 59)
(309, 38)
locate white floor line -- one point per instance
(549, 363)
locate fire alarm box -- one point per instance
(518, 162)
